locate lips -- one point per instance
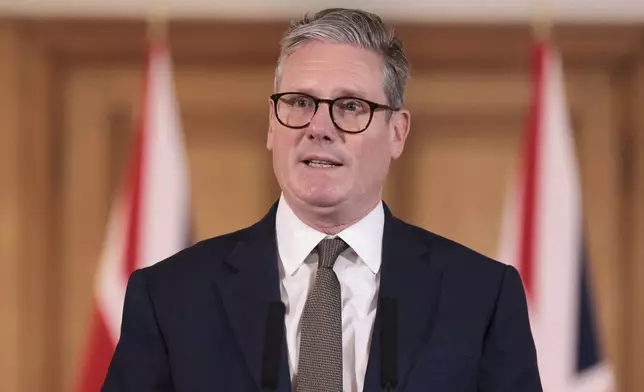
(320, 164)
(321, 161)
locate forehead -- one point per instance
(329, 70)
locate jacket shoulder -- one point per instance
(194, 260)
(471, 281)
(455, 256)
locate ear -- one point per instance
(400, 125)
(269, 136)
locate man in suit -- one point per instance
(370, 302)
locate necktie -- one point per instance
(320, 359)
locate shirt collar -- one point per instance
(295, 239)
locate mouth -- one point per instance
(319, 163)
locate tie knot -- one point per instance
(329, 249)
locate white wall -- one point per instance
(428, 10)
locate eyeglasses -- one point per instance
(349, 114)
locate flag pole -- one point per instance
(157, 23)
(542, 21)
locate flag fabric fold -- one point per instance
(149, 219)
(542, 235)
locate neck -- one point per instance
(331, 220)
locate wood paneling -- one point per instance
(443, 45)
(11, 205)
(28, 263)
(69, 94)
(635, 233)
(459, 172)
(599, 154)
(39, 278)
(85, 201)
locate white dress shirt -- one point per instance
(357, 269)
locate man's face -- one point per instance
(361, 161)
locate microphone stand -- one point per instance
(388, 309)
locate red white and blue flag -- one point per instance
(149, 220)
(542, 235)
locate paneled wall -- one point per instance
(69, 94)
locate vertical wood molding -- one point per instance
(39, 265)
(599, 156)
(27, 260)
(11, 206)
(85, 203)
(635, 339)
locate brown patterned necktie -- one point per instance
(320, 359)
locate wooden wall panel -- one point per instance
(635, 233)
(27, 209)
(39, 279)
(459, 175)
(57, 178)
(598, 143)
(84, 202)
(11, 206)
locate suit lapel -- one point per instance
(413, 280)
(250, 284)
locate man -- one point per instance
(370, 302)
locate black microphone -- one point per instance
(388, 344)
(273, 345)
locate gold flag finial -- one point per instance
(158, 21)
(542, 20)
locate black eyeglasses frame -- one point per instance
(330, 102)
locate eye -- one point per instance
(297, 101)
(302, 103)
(354, 106)
(351, 106)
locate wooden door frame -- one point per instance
(38, 54)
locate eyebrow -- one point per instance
(343, 92)
(352, 92)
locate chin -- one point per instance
(321, 198)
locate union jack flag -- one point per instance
(149, 221)
(542, 235)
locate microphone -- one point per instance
(272, 345)
(388, 344)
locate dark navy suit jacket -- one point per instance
(195, 322)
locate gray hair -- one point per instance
(355, 27)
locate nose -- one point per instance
(321, 127)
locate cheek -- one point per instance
(284, 145)
(283, 139)
(372, 155)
